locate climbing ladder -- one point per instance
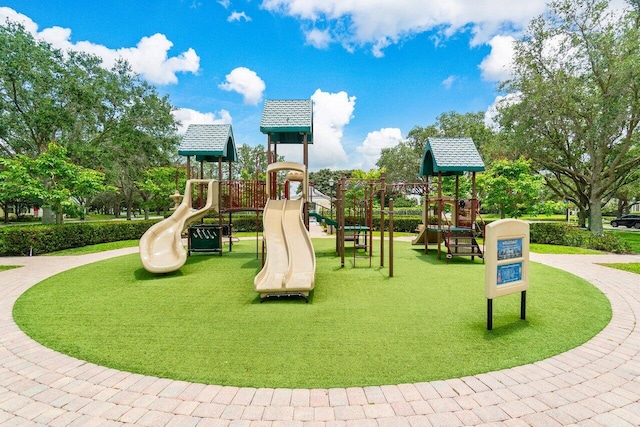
(462, 242)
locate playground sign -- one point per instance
(506, 262)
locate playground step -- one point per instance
(462, 243)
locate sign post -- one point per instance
(506, 263)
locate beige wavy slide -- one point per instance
(161, 248)
(290, 265)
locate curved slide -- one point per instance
(290, 265)
(425, 233)
(161, 248)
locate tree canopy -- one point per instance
(107, 120)
(577, 82)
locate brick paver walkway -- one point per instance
(595, 384)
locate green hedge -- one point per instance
(241, 222)
(554, 233)
(41, 239)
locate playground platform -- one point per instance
(595, 384)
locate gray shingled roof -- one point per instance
(286, 120)
(209, 143)
(451, 156)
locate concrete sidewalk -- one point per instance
(594, 384)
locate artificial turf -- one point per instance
(206, 324)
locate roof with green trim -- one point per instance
(286, 121)
(209, 143)
(450, 156)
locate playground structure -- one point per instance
(354, 207)
(458, 230)
(290, 264)
(161, 248)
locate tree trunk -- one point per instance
(5, 209)
(582, 218)
(595, 217)
(59, 215)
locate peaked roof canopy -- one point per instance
(450, 156)
(286, 121)
(209, 143)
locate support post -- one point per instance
(340, 212)
(390, 237)
(220, 200)
(425, 218)
(523, 305)
(305, 155)
(489, 314)
(440, 213)
(456, 207)
(382, 196)
(474, 202)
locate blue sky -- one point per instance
(374, 68)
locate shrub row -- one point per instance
(41, 239)
(567, 235)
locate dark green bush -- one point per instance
(241, 222)
(41, 239)
(554, 233)
(407, 224)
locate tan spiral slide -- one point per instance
(161, 248)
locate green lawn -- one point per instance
(633, 267)
(96, 248)
(204, 323)
(8, 267)
(557, 249)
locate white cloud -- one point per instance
(375, 142)
(491, 114)
(149, 57)
(237, 16)
(224, 3)
(449, 81)
(187, 116)
(331, 113)
(380, 23)
(320, 39)
(247, 83)
(498, 65)
(6, 13)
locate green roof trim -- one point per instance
(450, 156)
(287, 121)
(209, 143)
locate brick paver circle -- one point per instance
(596, 383)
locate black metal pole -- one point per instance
(523, 305)
(489, 314)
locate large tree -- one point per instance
(51, 178)
(109, 120)
(510, 187)
(402, 162)
(577, 81)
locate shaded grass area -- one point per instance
(204, 323)
(90, 249)
(8, 267)
(633, 267)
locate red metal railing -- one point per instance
(242, 195)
